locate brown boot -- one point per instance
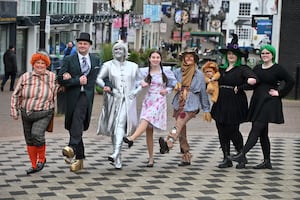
(171, 138)
(185, 159)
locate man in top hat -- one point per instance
(189, 98)
(78, 75)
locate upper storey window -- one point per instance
(54, 7)
(245, 9)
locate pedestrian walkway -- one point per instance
(99, 180)
(202, 180)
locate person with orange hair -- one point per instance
(34, 99)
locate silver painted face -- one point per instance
(119, 53)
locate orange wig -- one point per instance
(40, 55)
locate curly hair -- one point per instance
(40, 55)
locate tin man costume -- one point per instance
(119, 114)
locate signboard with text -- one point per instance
(152, 12)
(255, 18)
(264, 26)
(8, 11)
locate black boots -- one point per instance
(266, 164)
(226, 160)
(163, 146)
(241, 159)
(225, 163)
(228, 163)
(241, 165)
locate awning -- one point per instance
(242, 22)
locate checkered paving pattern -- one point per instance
(166, 180)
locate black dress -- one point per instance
(232, 108)
(264, 107)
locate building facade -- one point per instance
(255, 22)
(65, 19)
(8, 24)
(19, 25)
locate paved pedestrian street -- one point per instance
(202, 180)
(166, 180)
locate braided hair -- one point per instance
(149, 77)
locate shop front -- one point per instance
(8, 14)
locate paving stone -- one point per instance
(166, 180)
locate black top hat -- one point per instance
(233, 46)
(84, 37)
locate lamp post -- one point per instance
(221, 16)
(43, 11)
(181, 25)
(122, 7)
(181, 18)
(123, 29)
(204, 11)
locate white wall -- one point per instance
(258, 7)
(33, 44)
(276, 29)
(85, 6)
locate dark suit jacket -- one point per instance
(71, 65)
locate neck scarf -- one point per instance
(188, 72)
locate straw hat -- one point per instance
(189, 51)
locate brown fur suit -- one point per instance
(211, 75)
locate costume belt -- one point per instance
(227, 86)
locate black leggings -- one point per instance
(229, 132)
(259, 130)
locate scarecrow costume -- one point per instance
(189, 98)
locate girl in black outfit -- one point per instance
(230, 110)
(266, 106)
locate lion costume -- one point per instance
(211, 76)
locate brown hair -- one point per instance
(149, 77)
